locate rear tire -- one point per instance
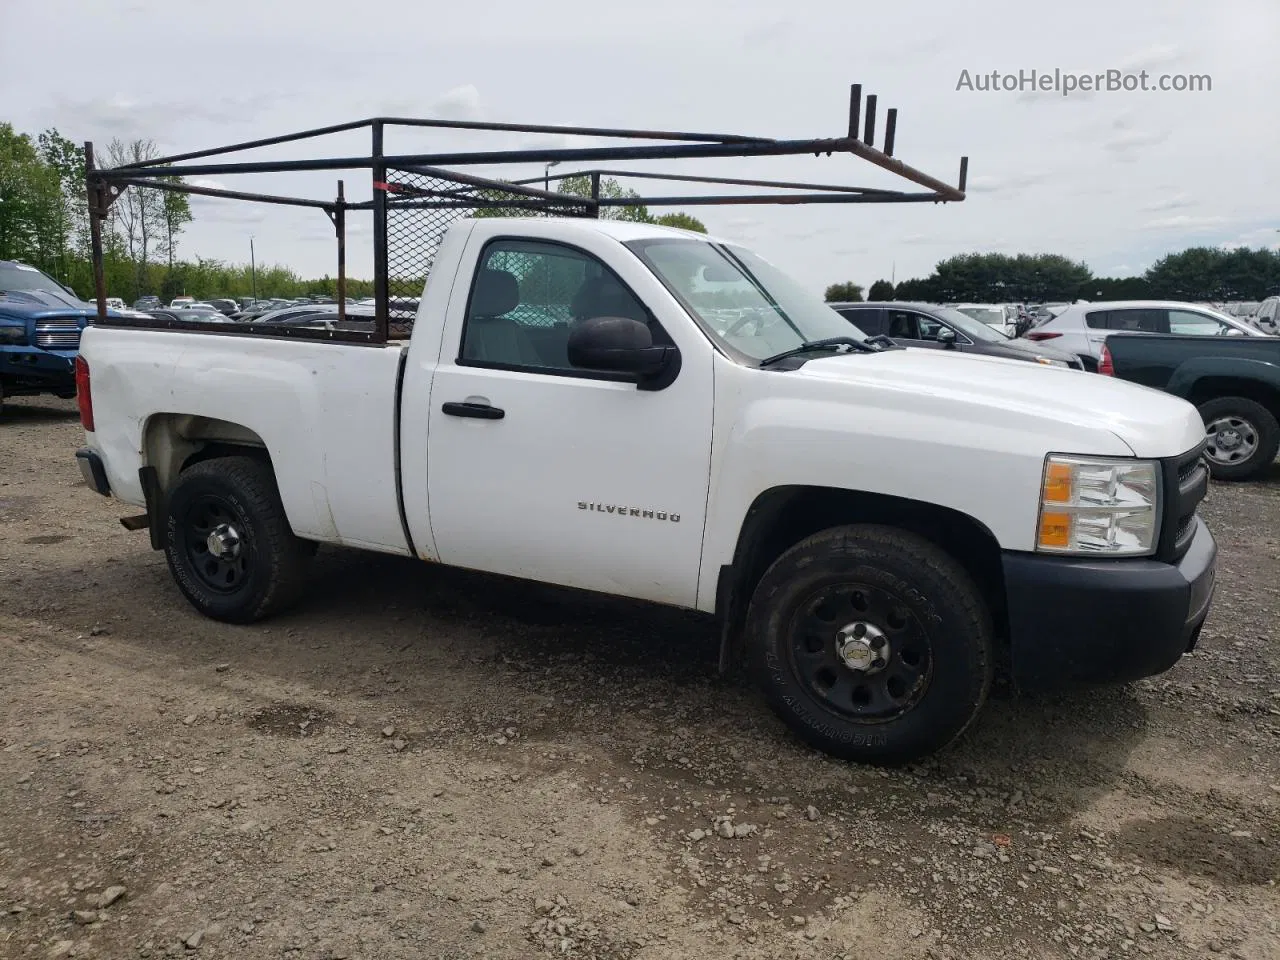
(871, 643)
(228, 542)
(1243, 437)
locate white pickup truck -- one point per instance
(656, 414)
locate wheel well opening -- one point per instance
(1215, 388)
(781, 518)
(173, 442)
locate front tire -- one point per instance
(228, 542)
(871, 643)
(1242, 437)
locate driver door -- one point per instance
(539, 470)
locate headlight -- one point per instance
(1099, 507)
(13, 334)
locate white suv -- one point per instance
(1083, 328)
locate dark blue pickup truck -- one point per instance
(40, 325)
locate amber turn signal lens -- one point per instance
(1057, 483)
(1055, 530)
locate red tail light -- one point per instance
(1105, 366)
(83, 395)
(1041, 335)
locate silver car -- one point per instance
(1082, 328)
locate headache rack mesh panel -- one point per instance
(421, 208)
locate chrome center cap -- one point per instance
(224, 541)
(1230, 439)
(862, 647)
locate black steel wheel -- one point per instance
(871, 643)
(861, 650)
(228, 541)
(218, 549)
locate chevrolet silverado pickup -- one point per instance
(1233, 380)
(656, 414)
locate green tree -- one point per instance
(848, 292)
(32, 225)
(137, 215)
(918, 289)
(610, 189)
(880, 290)
(67, 162)
(682, 220)
(175, 208)
(1211, 273)
(1114, 288)
(998, 278)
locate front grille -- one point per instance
(1186, 482)
(58, 333)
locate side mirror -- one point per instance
(947, 337)
(617, 344)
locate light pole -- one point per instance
(546, 174)
(253, 269)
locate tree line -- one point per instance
(1197, 274)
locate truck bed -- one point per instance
(1172, 363)
(325, 410)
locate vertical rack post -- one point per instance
(381, 293)
(96, 190)
(340, 227)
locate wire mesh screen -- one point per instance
(421, 208)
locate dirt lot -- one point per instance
(421, 763)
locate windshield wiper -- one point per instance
(830, 343)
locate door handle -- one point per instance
(479, 411)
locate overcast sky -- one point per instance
(1115, 179)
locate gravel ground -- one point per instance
(422, 763)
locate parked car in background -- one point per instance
(181, 301)
(147, 303)
(1083, 328)
(993, 315)
(224, 305)
(285, 314)
(40, 326)
(1267, 316)
(115, 303)
(1043, 312)
(1234, 381)
(934, 327)
(192, 315)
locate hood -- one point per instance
(24, 304)
(998, 392)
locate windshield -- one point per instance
(17, 276)
(746, 303)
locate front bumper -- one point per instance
(1076, 622)
(48, 369)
